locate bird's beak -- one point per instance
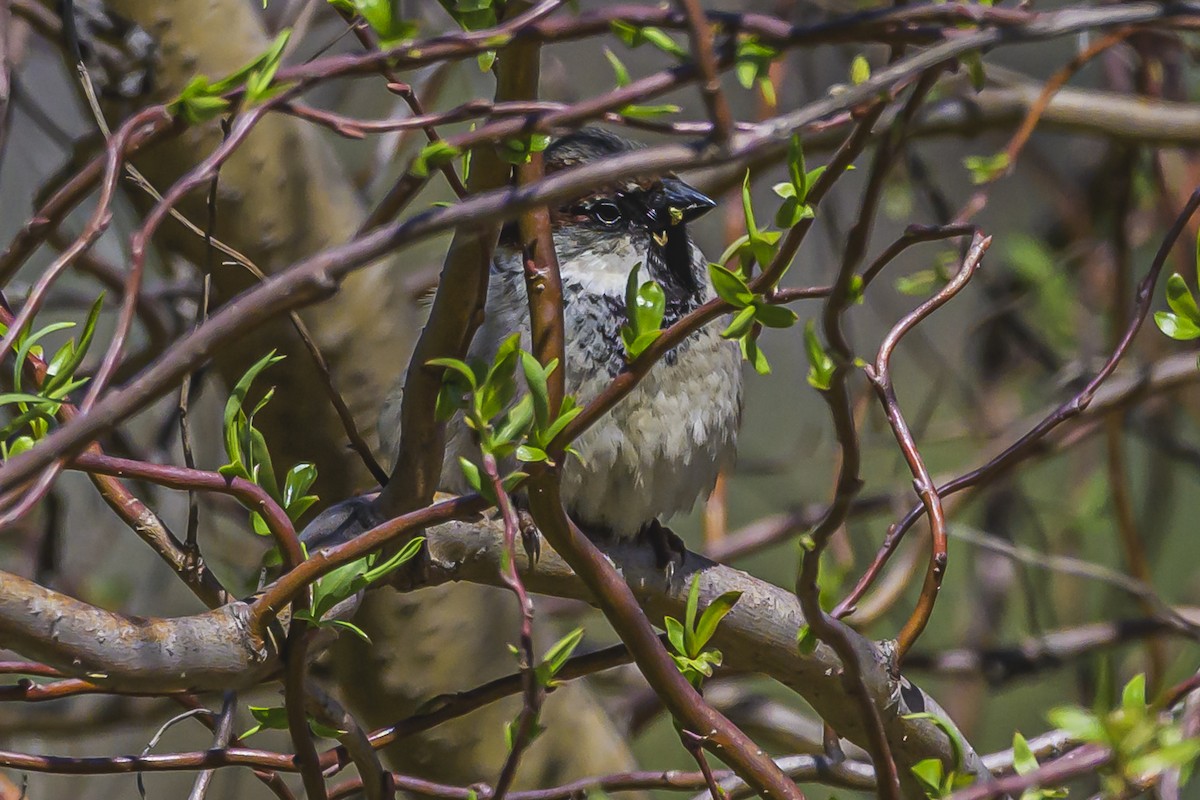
(682, 203)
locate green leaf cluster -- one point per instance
(690, 637)
(795, 190)
(250, 458)
(485, 394)
(636, 36)
(551, 664)
(202, 100)
(645, 307)
(1144, 741)
(350, 579)
(752, 65)
(931, 772)
(632, 110)
(34, 410)
(753, 313)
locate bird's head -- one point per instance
(637, 207)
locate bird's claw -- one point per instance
(669, 550)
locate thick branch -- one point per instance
(214, 651)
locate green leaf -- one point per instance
(917, 284)
(1176, 327)
(407, 553)
(1024, 761)
(1172, 756)
(985, 169)
(860, 70)
(806, 640)
(21, 444)
(730, 286)
(517, 150)
(712, 616)
(974, 64)
(645, 307)
(956, 746)
(752, 65)
(471, 473)
(1133, 697)
(199, 102)
(337, 585)
(536, 379)
(929, 773)
(797, 169)
(752, 352)
(675, 634)
(326, 731)
(689, 620)
(649, 112)
(531, 455)
(274, 718)
(459, 367)
(748, 209)
(434, 155)
(650, 307)
(740, 325)
(345, 625)
(820, 365)
(25, 346)
(60, 373)
(381, 16)
(1179, 298)
(774, 316)
(1081, 724)
(514, 424)
(792, 212)
(660, 39)
(622, 74)
(556, 657)
(735, 247)
(8, 398)
(635, 36)
(258, 82)
(297, 481)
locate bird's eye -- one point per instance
(606, 212)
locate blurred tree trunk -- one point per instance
(283, 196)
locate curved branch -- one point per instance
(216, 651)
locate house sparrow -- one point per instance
(662, 446)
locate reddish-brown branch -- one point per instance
(700, 35)
(923, 483)
(275, 598)
(248, 493)
(1028, 442)
(615, 599)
